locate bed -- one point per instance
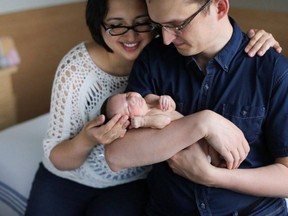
(21, 145)
(20, 154)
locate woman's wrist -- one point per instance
(83, 139)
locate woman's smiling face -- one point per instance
(127, 13)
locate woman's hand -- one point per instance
(70, 154)
(97, 132)
(260, 42)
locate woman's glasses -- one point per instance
(120, 30)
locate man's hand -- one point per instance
(193, 163)
(227, 139)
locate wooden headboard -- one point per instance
(43, 36)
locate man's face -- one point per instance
(198, 34)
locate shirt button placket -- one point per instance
(203, 210)
(204, 94)
(202, 206)
(202, 200)
(206, 87)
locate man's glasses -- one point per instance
(120, 30)
(177, 30)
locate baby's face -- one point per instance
(130, 103)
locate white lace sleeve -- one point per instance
(66, 117)
(79, 89)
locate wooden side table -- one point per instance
(7, 98)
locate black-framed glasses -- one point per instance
(177, 30)
(120, 30)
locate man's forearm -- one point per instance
(147, 146)
(269, 181)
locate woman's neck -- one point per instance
(109, 62)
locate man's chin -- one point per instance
(185, 52)
(184, 49)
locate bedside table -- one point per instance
(7, 98)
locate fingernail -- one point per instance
(251, 54)
(260, 53)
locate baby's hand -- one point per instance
(165, 102)
(136, 122)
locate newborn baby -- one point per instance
(151, 111)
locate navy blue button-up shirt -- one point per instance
(250, 92)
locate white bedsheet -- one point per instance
(20, 154)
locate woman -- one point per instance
(74, 178)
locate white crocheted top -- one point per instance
(79, 89)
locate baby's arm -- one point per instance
(151, 121)
(163, 102)
(161, 114)
(167, 103)
(155, 119)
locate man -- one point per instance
(204, 67)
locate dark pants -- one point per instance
(53, 195)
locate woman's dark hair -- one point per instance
(96, 11)
(103, 109)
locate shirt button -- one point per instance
(235, 213)
(244, 112)
(206, 87)
(202, 206)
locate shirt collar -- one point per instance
(226, 55)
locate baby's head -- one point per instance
(130, 103)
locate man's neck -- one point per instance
(221, 39)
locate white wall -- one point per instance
(8, 6)
(272, 5)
